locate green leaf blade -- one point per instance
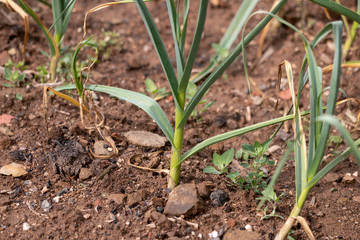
(144, 102)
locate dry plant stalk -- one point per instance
(12, 6)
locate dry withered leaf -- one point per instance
(14, 169)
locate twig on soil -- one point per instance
(63, 112)
(106, 171)
(145, 168)
(36, 213)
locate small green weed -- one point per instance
(15, 77)
(335, 142)
(220, 162)
(270, 196)
(252, 157)
(155, 92)
(109, 39)
(190, 93)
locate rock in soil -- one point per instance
(203, 189)
(237, 234)
(218, 197)
(183, 200)
(102, 148)
(135, 198)
(84, 174)
(160, 219)
(118, 198)
(145, 139)
(14, 169)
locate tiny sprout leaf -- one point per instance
(245, 165)
(212, 170)
(228, 156)
(248, 147)
(150, 86)
(7, 74)
(19, 97)
(21, 77)
(217, 161)
(233, 176)
(7, 85)
(239, 153)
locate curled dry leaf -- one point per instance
(14, 169)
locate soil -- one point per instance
(57, 163)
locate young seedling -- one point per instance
(109, 39)
(155, 92)
(254, 159)
(221, 162)
(270, 196)
(61, 11)
(14, 77)
(190, 93)
(335, 142)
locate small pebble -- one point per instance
(56, 199)
(26, 226)
(213, 234)
(46, 205)
(355, 174)
(248, 228)
(61, 192)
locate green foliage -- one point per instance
(190, 93)
(179, 78)
(155, 92)
(221, 162)
(253, 158)
(61, 13)
(105, 43)
(335, 142)
(20, 65)
(14, 77)
(270, 196)
(42, 74)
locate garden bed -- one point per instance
(112, 200)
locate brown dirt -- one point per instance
(83, 210)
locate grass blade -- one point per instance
(338, 8)
(184, 28)
(226, 63)
(195, 46)
(62, 10)
(344, 133)
(54, 51)
(331, 165)
(78, 83)
(331, 103)
(144, 102)
(229, 37)
(175, 27)
(160, 50)
(225, 136)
